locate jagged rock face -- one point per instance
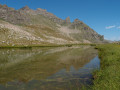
(77, 24)
(23, 15)
(42, 12)
(68, 20)
(41, 17)
(86, 32)
(25, 8)
(12, 16)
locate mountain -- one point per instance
(39, 27)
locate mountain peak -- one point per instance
(3, 6)
(77, 20)
(43, 10)
(67, 19)
(25, 8)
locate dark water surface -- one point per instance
(59, 68)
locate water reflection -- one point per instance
(47, 68)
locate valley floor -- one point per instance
(108, 78)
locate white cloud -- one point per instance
(109, 27)
(118, 27)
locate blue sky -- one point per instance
(101, 15)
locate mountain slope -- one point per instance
(39, 27)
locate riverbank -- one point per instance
(52, 45)
(108, 78)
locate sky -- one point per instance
(101, 15)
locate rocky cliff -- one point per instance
(27, 27)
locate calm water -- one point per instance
(60, 68)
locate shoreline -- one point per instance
(31, 46)
(107, 78)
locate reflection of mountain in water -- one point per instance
(72, 80)
(40, 63)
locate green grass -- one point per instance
(108, 78)
(44, 45)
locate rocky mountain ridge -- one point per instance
(44, 27)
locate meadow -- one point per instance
(108, 78)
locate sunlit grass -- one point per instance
(108, 78)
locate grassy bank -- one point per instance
(52, 45)
(108, 78)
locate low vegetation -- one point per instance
(43, 45)
(108, 78)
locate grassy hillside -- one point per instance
(40, 34)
